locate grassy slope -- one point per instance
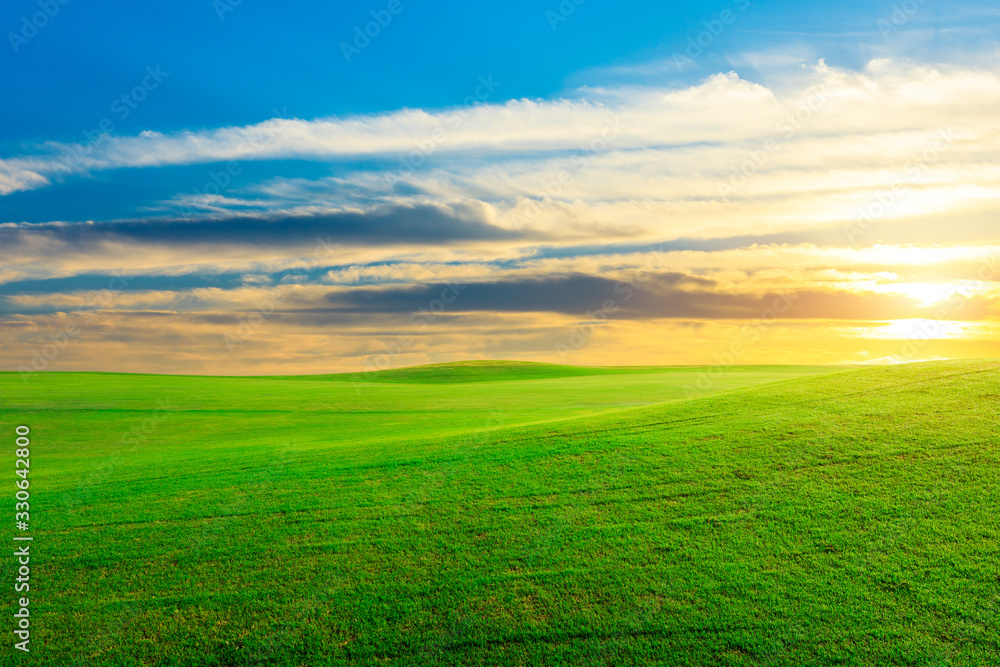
(494, 371)
(846, 519)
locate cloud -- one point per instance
(518, 125)
(418, 224)
(657, 212)
(804, 163)
(877, 102)
(46, 250)
(661, 295)
(575, 275)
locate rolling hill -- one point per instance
(439, 516)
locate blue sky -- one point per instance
(227, 64)
(235, 69)
(208, 145)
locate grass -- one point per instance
(494, 514)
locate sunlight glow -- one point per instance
(927, 294)
(913, 329)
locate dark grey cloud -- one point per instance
(586, 297)
(664, 295)
(561, 293)
(416, 224)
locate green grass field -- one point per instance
(496, 513)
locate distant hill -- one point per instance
(493, 371)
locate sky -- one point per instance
(236, 187)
